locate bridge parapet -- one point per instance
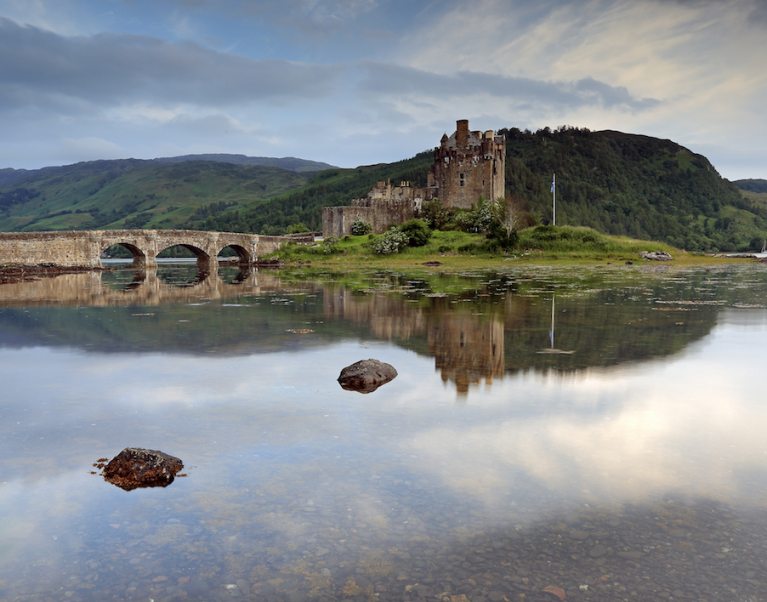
(83, 248)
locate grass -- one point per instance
(461, 250)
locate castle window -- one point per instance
(463, 179)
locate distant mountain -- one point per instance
(752, 185)
(289, 163)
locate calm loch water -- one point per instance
(552, 434)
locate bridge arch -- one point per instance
(139, 257)
(243, 255)
(203, 258)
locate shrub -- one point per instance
(417, 231)
(297, 228)
(360, 228)
(329, 246)
(390, 242)
(436, 215)
(478, 219)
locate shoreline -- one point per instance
(437, 262)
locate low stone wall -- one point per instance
(380, 214)
(68, 249)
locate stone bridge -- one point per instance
(84, 248)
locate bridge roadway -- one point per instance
(84, 248)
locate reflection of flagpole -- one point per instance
(551, 332)
(554, 200)
(551, 350)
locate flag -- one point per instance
(553, 183)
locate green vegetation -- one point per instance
(464, 249)
(360, 228)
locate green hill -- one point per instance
(628, 184)
(615, 182)
(133, 194)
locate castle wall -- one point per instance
(381, 214)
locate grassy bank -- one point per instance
(542, 244)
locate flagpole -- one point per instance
(554, 199)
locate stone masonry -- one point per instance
(468, 166)
(83, 249)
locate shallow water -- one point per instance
(598, 431)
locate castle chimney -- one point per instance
(462, 133)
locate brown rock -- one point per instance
(366, 376)
(556, 591)
(135, 467)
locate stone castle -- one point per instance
(467, 166)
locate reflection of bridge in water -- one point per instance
(146, 288)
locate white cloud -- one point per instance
(697, 58)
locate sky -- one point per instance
(356, 82)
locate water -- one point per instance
(592, 433)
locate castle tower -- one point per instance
(468, 166)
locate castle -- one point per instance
(467, 166)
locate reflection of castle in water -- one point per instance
(468, 348)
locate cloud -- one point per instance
(324, 16)
(396, 80)
(114, 69)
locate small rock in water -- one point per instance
(135, 467)
(656, 255)
(366, 376)
(556, 591)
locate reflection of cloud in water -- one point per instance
(695, 427)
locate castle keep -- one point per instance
(467, 166)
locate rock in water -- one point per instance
(135, 467)
(365, 376)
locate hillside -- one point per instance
(628, 184)
(615, 182)
(304, 205)
(133, 194)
